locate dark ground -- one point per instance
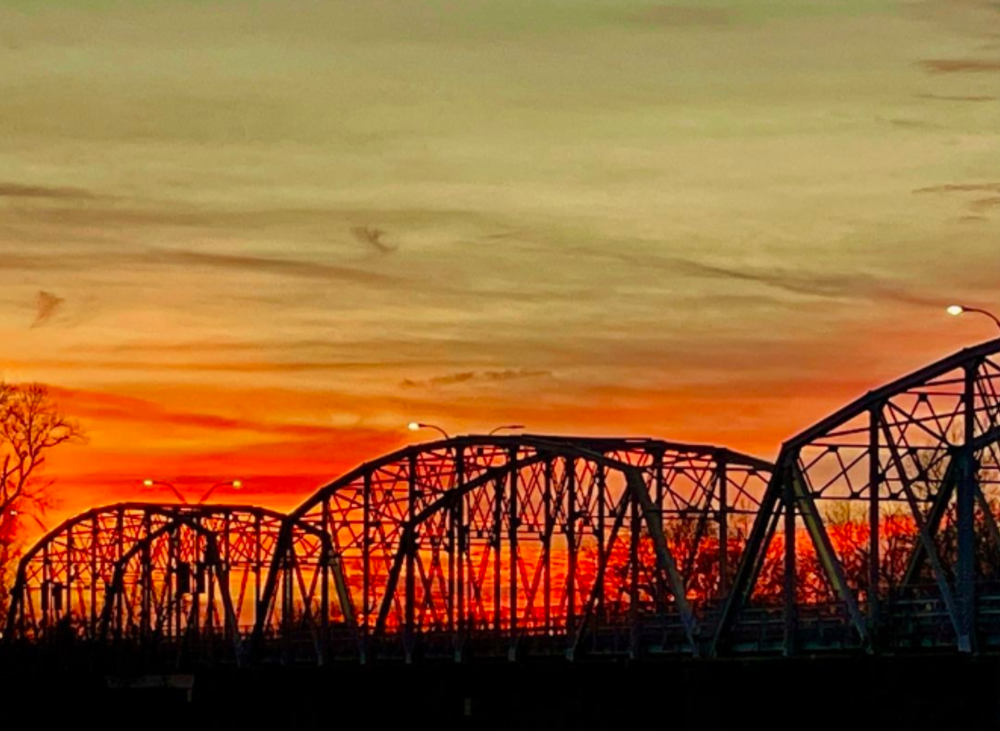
(845, 693)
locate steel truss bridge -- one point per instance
(875, 531)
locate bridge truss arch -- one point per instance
(507, 544)
(879, 527)
(147, 573)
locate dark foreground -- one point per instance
(848, 693)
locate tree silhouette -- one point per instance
(31, 425)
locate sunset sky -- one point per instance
(269, 234)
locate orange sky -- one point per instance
(278, 231)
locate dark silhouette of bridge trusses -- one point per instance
(875, 531)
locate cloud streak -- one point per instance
(480, 376)
(960, 66)
(67, 260)
(847, 285)
(17, 190)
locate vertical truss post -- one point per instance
(789, 588)
(874, 487)
(722, 492)
(456, 565)
(966, 515)
(512, 547)
(547, 529)
(146, 584)
(603, 543)
(410, 549)
(325, 560)
(93, 573)
(68, 588)
(569, 472)
(366, 572)
(258, 560)
(635, 634)
(496, 546)
(119, 552)
(175, 597)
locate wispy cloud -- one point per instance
(373, 238)
(268, 265)
(18, 190)
(960, 65)
(985, 204)
(64, 259)
(978, 205)
(100, 407)
(957, 97)
(46, 306)
(467, 376)
(961, 188)
(845, 285)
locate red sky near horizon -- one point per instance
(271, 234)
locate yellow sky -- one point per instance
(277, 231)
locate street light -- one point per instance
(956, 310)
(505, 426)
(151, 483)
(235, 484)
(418, 425)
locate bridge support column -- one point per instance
(966, 516)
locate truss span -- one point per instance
(142, 572)
(516, 543)
(879, 527)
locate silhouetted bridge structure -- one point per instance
(874, 532)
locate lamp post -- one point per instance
(168, 485)
(494, 430)
(235, 484)
(418, 425)
(956, 310)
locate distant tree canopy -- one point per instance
(31, 425)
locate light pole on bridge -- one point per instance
(418, 425)
(494, 430)
(235, 484)
(956, 310)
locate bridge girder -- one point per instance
(879, 527)
(146, 572)
(505, 543)
(875, 530)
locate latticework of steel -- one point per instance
(875, 530)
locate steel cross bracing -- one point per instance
(491, 544)
(876, 530)
(879, 528)
(182, 575)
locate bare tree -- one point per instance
(31, 425)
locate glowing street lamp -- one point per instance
(956, 310)
(152, 483)
(505, 426)
(418, 425)
(235, 484)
